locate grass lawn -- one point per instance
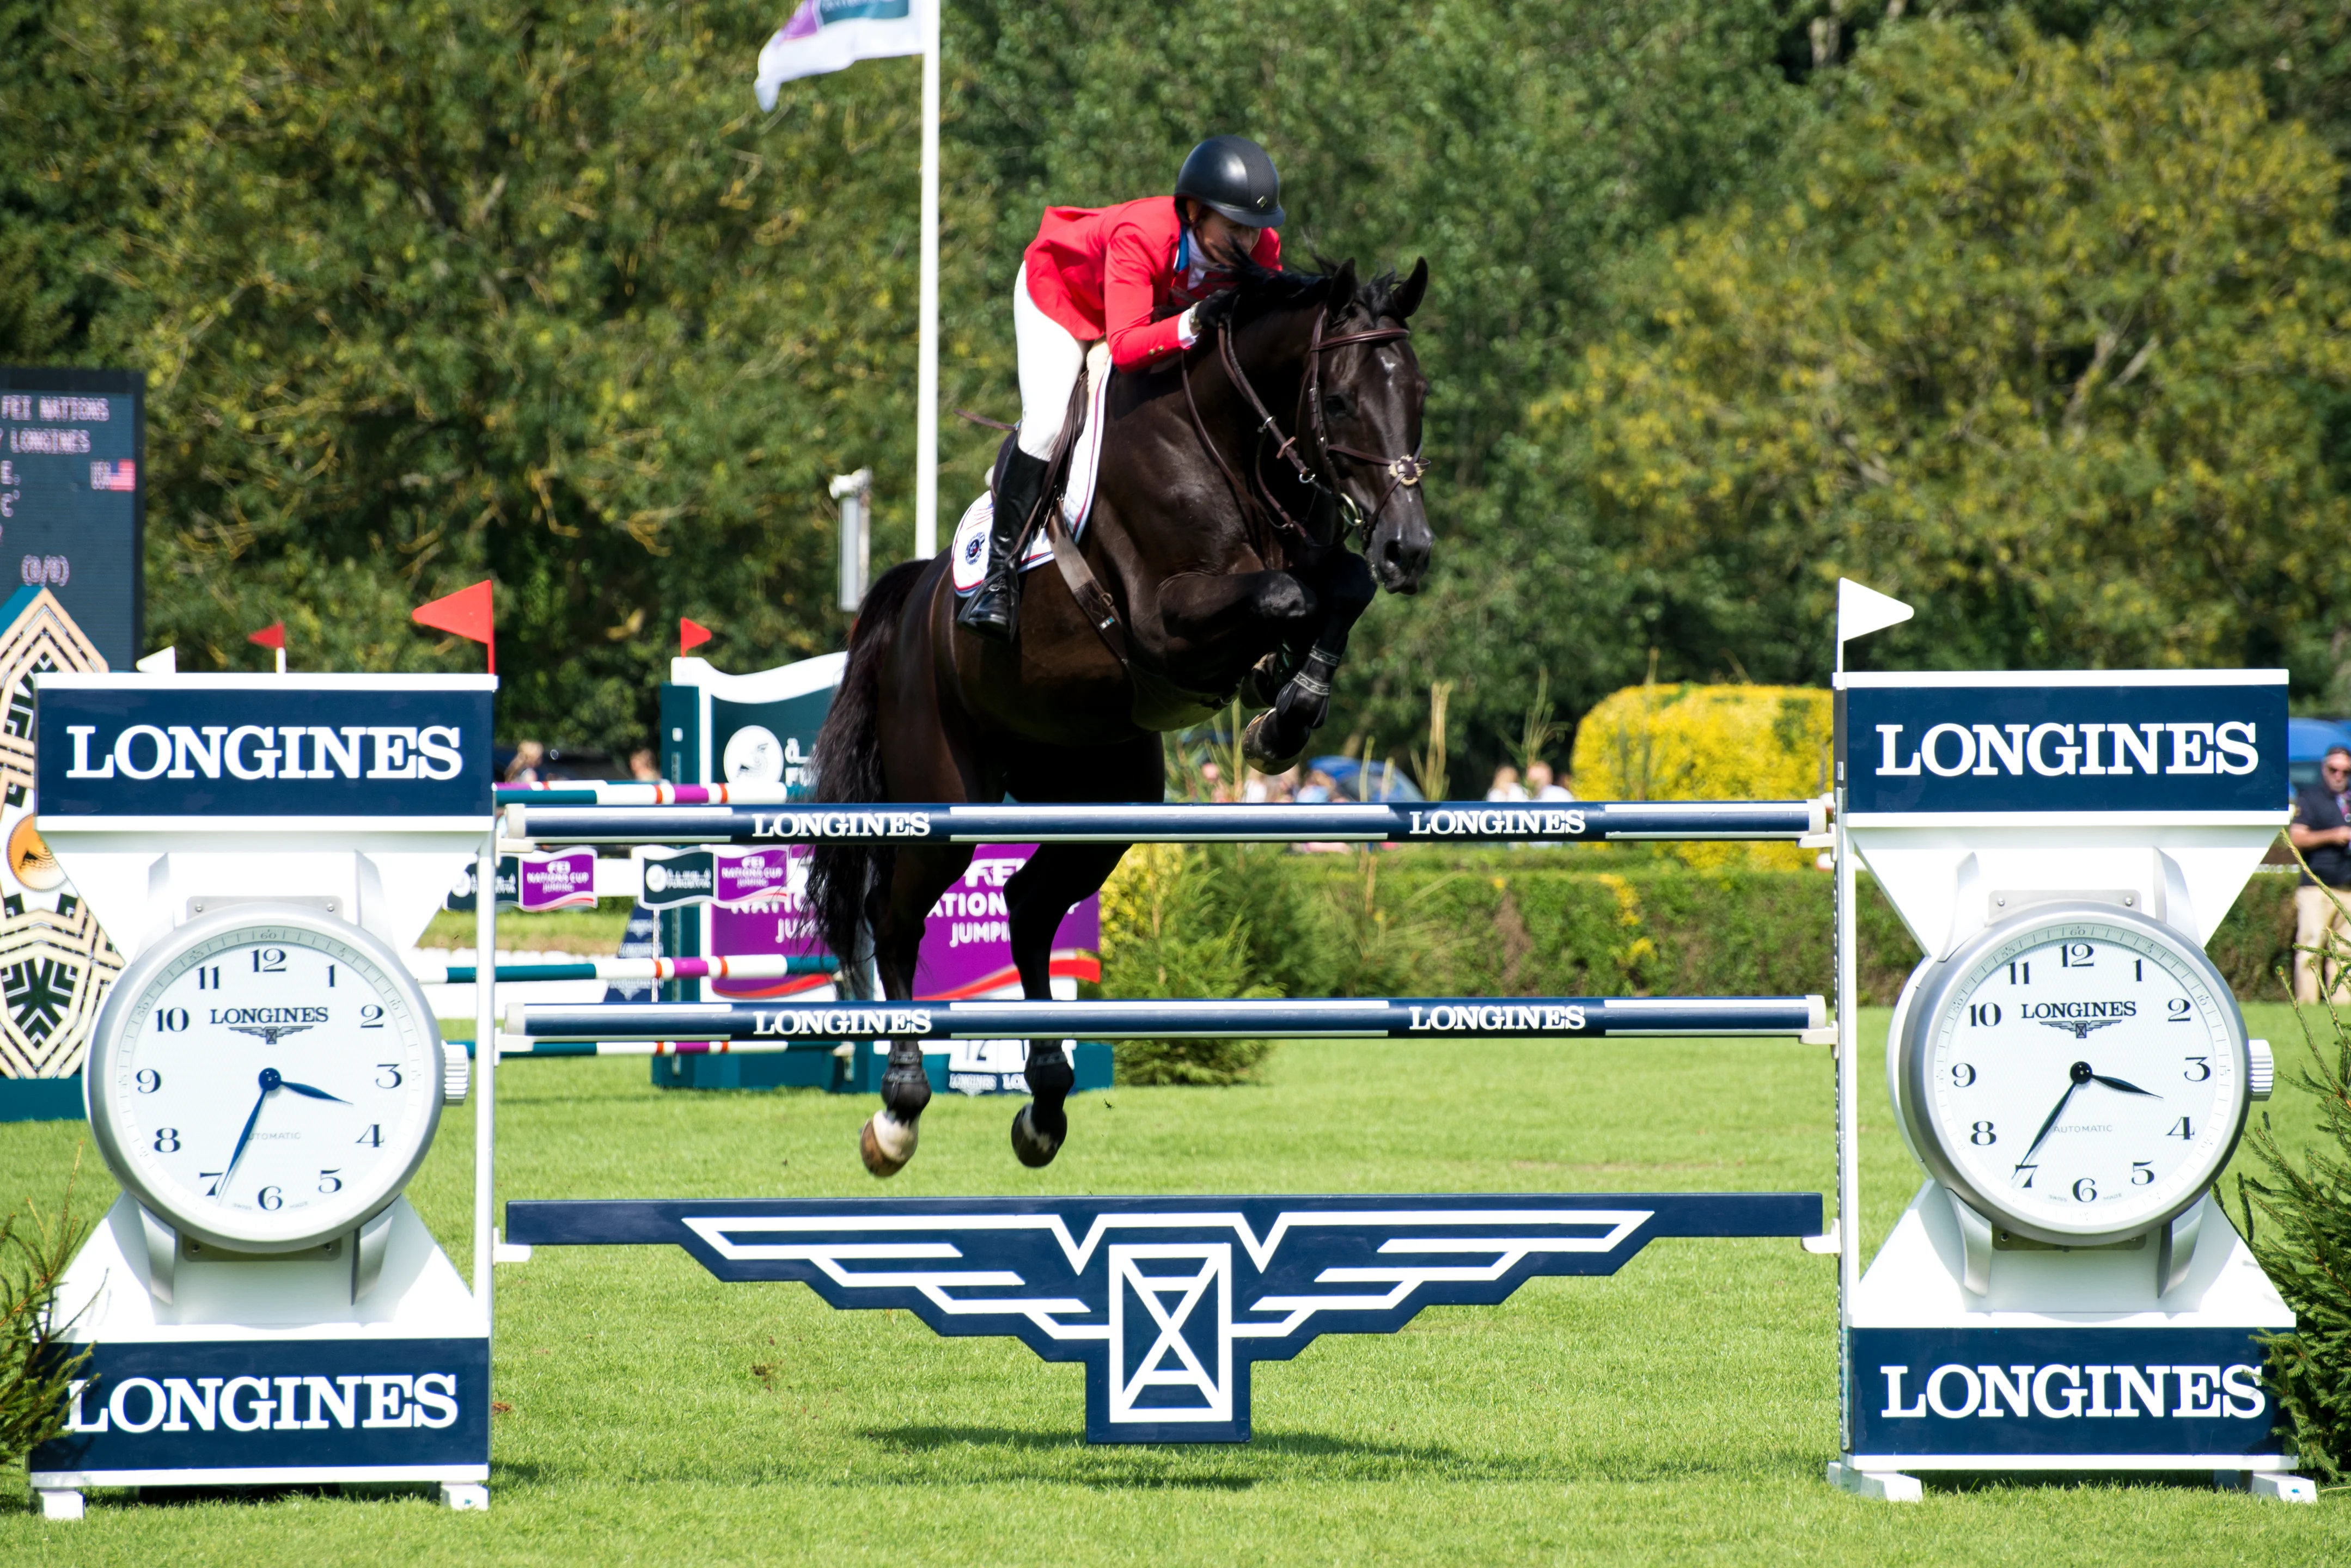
(1680, 1411)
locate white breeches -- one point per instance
(1050, 362)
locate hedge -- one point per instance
(1571, 922)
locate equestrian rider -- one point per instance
(1116, 272)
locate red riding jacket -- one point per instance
(1105, 272)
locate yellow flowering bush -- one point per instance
(1709, 742)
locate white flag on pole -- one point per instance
(1862, 610)
(827, 34)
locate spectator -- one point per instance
(524, 769)
(1505, 784)
(2322, 831)
(1541, 785)
(1277, 790)
(642, 767)
(1319, 789)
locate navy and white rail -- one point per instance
(1398, 822)
(1372, 1017)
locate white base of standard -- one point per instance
(59, 1502)
(2284, 1489)
(1878, 1486)
(463, 1496)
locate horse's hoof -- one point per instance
(1256, 748)
(886, 1144)
(1034, 1146)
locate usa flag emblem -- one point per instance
(122, 476)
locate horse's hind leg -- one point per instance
(1037, 898)
(898, 912)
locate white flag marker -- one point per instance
(1862, 610)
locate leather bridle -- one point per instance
(1403, 472)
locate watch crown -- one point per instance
(2262, 1077)
(456, 1072)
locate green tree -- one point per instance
(2043, 334)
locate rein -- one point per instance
(1403, 472)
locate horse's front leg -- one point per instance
(1277, 738)
(1206, 613)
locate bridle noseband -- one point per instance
(1403, 472)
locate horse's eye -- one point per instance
(1336, 405)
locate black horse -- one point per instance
(1214, 563)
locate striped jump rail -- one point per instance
(1405, 822)
(1375, 1018)
(752, 966)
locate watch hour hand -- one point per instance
(2125, 1088)
(314, 1093)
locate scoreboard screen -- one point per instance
(73, 497)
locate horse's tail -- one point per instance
(842, 876)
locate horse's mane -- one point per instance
(1257, 291)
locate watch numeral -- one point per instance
(393, 1069)
(331, 1180)
(1962, 1074)
(208, 977)
(273, 1198)
(373, 1137)
(2028, 1171)
(2142, 1173)
(2075, 955)
(269, 960)
(2020, 974)
(331, 977)
(2138, 969)
(149, 1080)
(2181, 1130)
(1982, 1135)
(2179, 1008)
(167, 1140)
(213, 1177)
(371, 1016)
(171, 1020)
(2086, 1191)
(2199, 1070)
(1983, 1015)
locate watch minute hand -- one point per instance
(2063, 1101)
(244, 1138)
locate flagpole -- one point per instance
(926, 413)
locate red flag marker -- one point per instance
(467, 612)
(691, 636)
(272, 636)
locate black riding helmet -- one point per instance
(1233, 175)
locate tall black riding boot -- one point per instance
(994, 607)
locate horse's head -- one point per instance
(1363, 407)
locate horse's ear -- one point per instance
(1343, 284)
(1408, 298)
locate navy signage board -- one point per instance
(231, 748)
(1924, 1393)
(1168, 1300)
(2209, 743)
(73, 497)
(249, 1407)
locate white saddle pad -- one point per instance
(969, 549)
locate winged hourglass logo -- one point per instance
(1168, 1300)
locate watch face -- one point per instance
(265, 1078)
(2077, 1075)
